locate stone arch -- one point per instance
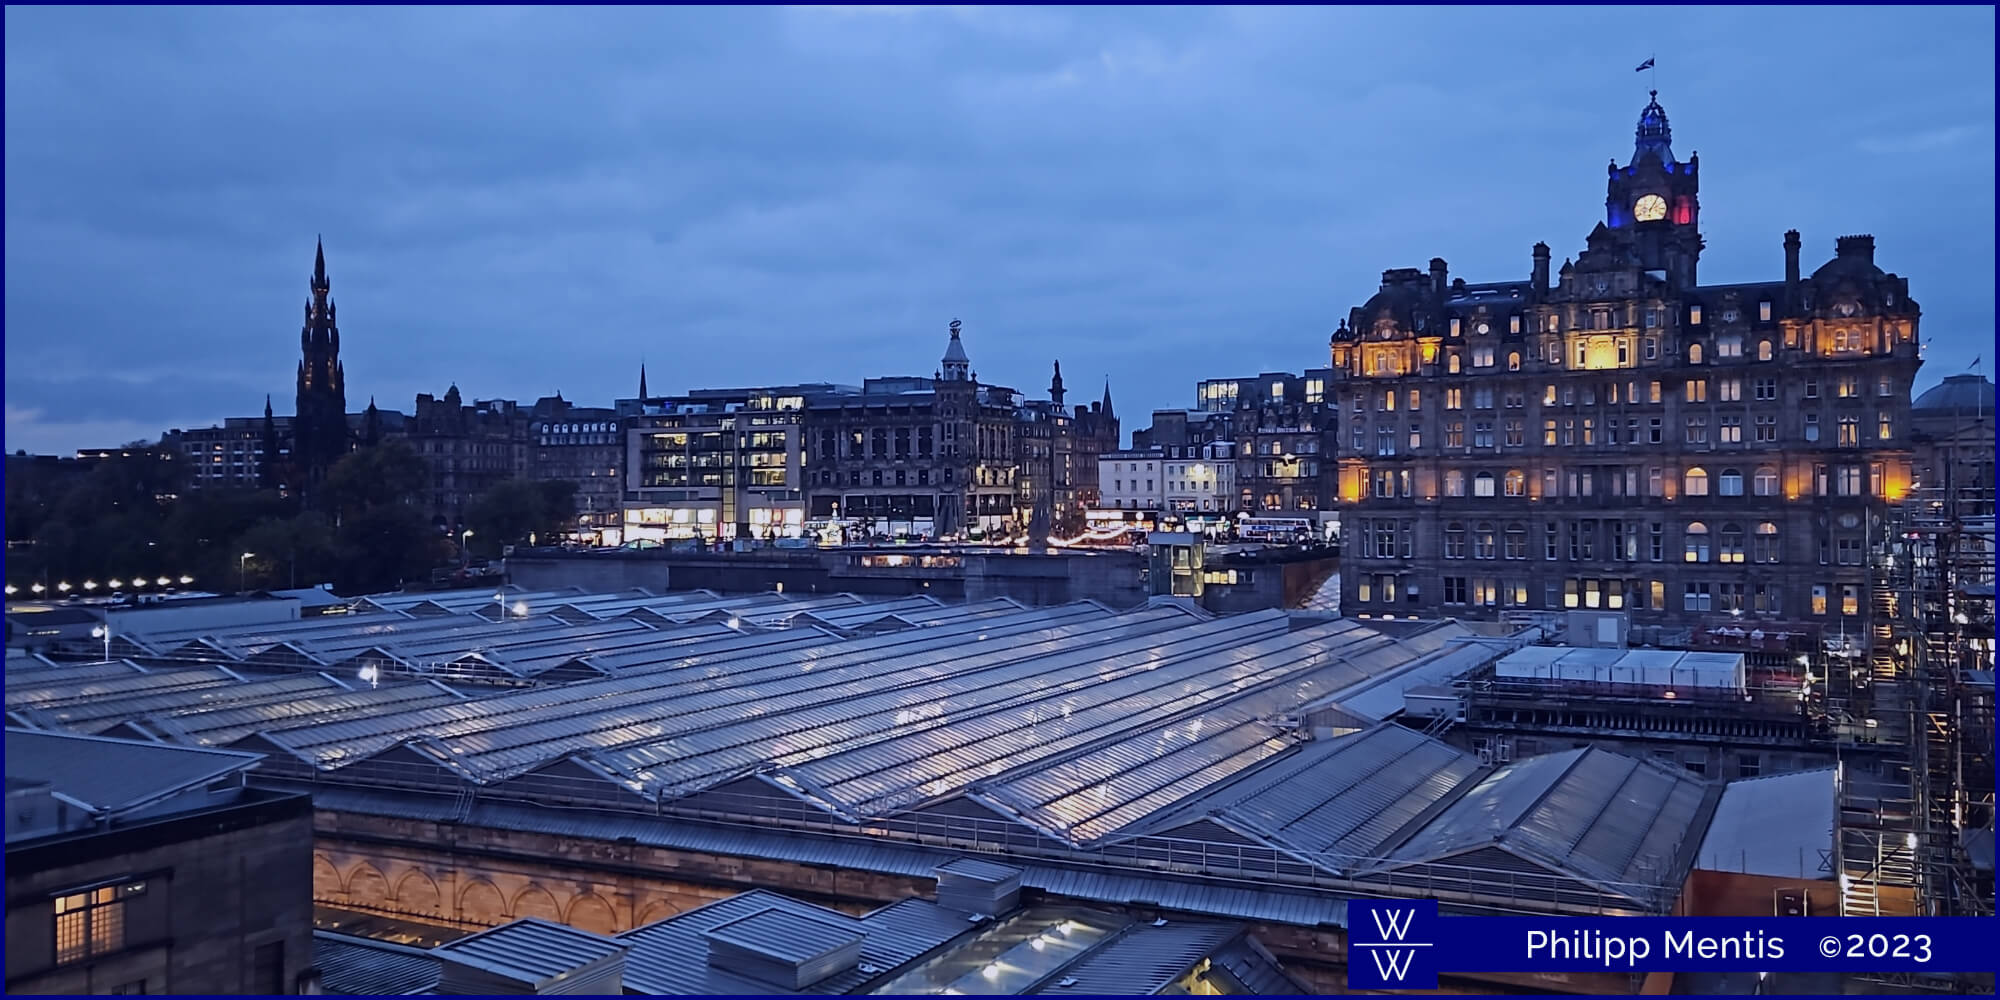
(480, 903)
(327, 882)
(416, 893)
(591, 912)
(535, 901)
(367, 887)
(658, 909)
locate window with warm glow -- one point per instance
(92, 923)
(1695, 482)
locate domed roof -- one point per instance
(1401, 301)
(1957, 394)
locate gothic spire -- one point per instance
(1107, 395)
(319, 281)
(1653, 133)
(642, 383)
(371, 425)
(1056, 387)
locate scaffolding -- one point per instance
(1930, 671)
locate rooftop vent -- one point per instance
(531, 956)
(977, 886)
(786, 949)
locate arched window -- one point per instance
(1696, 542)
(1517, 483)
(1695, 483)
(1764, 545)
(1694, 354)
(1454, 540)
(1451, 363)
(1764, 350)
(1730, 484)
(1513, 361)
(1483, 541)
(1766, 483)
(1729, 544)
(1482, 484)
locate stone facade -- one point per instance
(1624, 437)
(216, 903)
(469, 448)
(935, 457)
(582, 445)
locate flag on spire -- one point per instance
(1644, 66)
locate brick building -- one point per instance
(1621, 436)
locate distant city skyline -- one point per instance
(764, 196)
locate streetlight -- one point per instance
(90, 584)
(464, 556)
(10, 590)
(186, 579)
(163, 581)
(38, 588)
(103, 632)
(116, 584)
(243, 572)
(63, 586)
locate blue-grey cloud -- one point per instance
(526, 200)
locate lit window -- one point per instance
(1694, 354)
(1696, 542)
(93, 922)
(1482, 484)
(1694, 315)
(1695, 482)
(1764, 314)
(1514, 360)
(1819, 599)
(1451, 363)
(1763, 350)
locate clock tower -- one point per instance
(1654, 201)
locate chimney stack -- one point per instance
(1541, 275)
(1438, 272)
(1792, 265)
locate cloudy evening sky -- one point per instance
(526, 201)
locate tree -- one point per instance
(519, 510)
(380, 547)
(389, 473)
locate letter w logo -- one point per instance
(1392, 925)
(1392, 964)
(1398, 946)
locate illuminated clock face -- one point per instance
(1651, 208)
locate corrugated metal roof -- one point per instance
(352, 966)
(670, 957)
(530, 949)
(979, 870)
(788, 935)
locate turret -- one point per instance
(956, 366)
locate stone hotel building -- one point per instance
(1619, 435)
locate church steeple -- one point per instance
(1106, 405)
(643, 396)
(267, 461)
(371, 425)
(319, 427)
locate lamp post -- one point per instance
(243, 572)
(104, 632)
(464, 554)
